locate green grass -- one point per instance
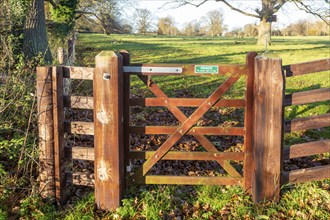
(301, 201)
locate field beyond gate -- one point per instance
(203, 105)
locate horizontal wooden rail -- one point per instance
(190, 180)
(186, 102)
(306, 149)
(80, 178)
(312, 122)
(187, 69)
(301, 98)
(239, 131)
(74, 72)
(307, 67)
(308, 174)
(79, 127)
(79, 153)
(189, 155)
(78, 102)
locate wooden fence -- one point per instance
(263, 130)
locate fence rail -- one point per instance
(262, 154)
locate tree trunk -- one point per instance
(264, 32)
(35, 33)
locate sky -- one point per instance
(288, 14)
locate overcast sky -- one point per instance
(288, 14)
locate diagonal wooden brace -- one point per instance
(182, 118)
(186, 125)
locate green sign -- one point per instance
(206, 69)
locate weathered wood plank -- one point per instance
(313, 122)
(78, 102)
(190, 180)
(74, 72)
(185, 102)
(189, 69)
(307, 67)
(306, 97)
(239, 131)
(79, 153)
(174, 155)
(80, 178)
(306, 149)
(248, 122)
(186, 126)
(109, 130)
(79, 127)
(267, 125)
(46, 132)
(58, 117)
(308, 174)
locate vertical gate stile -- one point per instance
(248, 120)
(58, 117)
(126, 107)
(267, 125)
(108, 129)
(46, 132)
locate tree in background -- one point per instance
(35, 33)
(213, 23)
(192, 28)
(143, 19)
(250, 30)
(166, 26)
(266, 11)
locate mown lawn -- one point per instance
(301, 201)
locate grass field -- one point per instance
(302, 201)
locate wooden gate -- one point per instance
(188, 126)
(263, 129)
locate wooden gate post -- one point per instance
(108, 129)
(46, 132)
(267, 125)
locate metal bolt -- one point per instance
(106, 76)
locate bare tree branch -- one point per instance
(309, 10)
(237, 9)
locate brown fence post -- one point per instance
(108, 129)
(248, 121)
(267, 125)
(58, 120)
(46, 132)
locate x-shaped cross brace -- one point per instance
(186, 125)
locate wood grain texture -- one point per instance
(80, 178)
(306, 149)
(267, 125)
(108, 127)
(79, 127)
(189, 69)
(308, 174)
(79, 153)
(58, 117)
(184, 102)
(174, 155)
(46, 132)
(236, 131)
(307, 67)
(306, 97)
(312, 122)
(190, 180)
(78, 102)
(248, 122)
(75, 72)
